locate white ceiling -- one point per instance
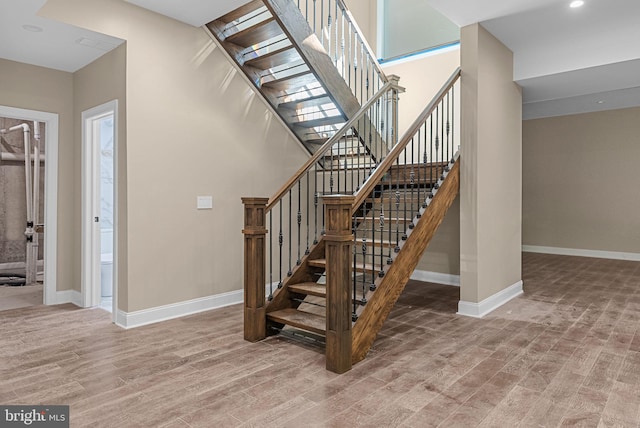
(193, 12)
(58, 46)
(566, 59)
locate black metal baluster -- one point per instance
(280, 242)
(324, 192)
(373, 231)
(363, 300)
(340, 156)
(331, 173)
(346, 165)
(419, 167)
(397, 200)
(270, 256)
(308, 198)
(448, 126)
(290, 271)
(358, 168)
(453, 121)
(437, 144)
(299, 221)
(316, 196)
(354, 317)
(382, 223)
(442, 142)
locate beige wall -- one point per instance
(580, 181)
(188, 111)
(99, 82)
(42, 89)
(422, 78)
(491, 167)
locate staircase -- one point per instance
(329, 254)
(313, 83)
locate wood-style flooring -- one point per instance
(566, 353)
(13, 297)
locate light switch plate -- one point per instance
(205, 202)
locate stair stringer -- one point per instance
(297, 29)
(390, 287)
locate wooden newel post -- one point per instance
(255, 232)
(338, 252)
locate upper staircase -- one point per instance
(329, 254)
(311, 65)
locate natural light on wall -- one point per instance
(411, 26)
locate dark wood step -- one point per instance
(360, 267)
(275, 58)
(309, 289)
(300, 319)
(393, 220)
(241, 11)
(291, 82)
(319, 290)
(265, 30)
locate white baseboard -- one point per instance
(175, 310)
(67, 296)
(491, 303)
(614, 255)
(436, 277)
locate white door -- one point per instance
(98, 205)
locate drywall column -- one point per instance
(490, 176)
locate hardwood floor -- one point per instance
(567, 353)
(12, 297)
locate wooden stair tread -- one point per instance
(309, 288)
(241, 11)
(300, 319)
(265, 30)
(291, 82)
(360, 267)
(272, 59)
(386, 219)
(323, 121)
(313, 101)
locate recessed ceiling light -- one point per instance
(32, 28)
(576, 3)
(600, 102)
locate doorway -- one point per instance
(99, 219)
(38, 136)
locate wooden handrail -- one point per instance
(379, 172)
(391, 84)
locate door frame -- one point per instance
(91, 262)
(50, 120)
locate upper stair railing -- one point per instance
(338, 32)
